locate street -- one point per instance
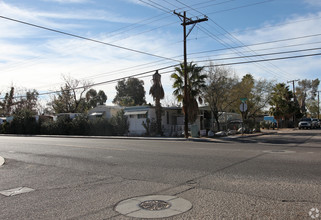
(264, 177)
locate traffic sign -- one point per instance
(243, 107)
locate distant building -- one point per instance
(103, 111)
(173, 119)
(136, 116)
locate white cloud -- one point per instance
(290, 69)
(58, 20)
(81, 59)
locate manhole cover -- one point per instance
(154, 205)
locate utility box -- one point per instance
(194, 131)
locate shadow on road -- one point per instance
(285, 139)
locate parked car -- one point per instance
(315, 123)
(305, 123)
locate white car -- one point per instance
(305, 123)
(315, 123)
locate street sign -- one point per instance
(243, 107)
(243, 99)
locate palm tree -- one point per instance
(157, 92)
(195, 86)
(281, 105)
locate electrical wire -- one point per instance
(118, 39)
(239, 53)
(155, 3)
(144, 73)
(260, 55)
(229, 34)
(237, 40)
(264, 49)
(138, 75)
(243, 6)
(268, 60)
(262, 43)
(85, 38)
(155, 6)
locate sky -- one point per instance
(137, 36)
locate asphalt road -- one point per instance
(266, 177)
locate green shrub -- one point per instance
(120, 123)
(23, 123)
(101, 127)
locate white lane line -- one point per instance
(1, 161)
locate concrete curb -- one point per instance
(259, 134)
(102, 137)
(234, 137)
(119, 137)
(2, 161)
(202, 139)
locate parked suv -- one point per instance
(315, 123)
(305, 123)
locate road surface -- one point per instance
(267, 177)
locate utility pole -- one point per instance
(186, 21)
(294, 97)
(319, 105)
(293, 81)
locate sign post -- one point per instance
(243, 109)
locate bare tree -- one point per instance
(219, 92)
(71, 97)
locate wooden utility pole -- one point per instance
(186, 21)
(319, 105)
(293, 81)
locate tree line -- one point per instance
(215, 86)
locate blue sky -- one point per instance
(35, 58)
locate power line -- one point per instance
(143, 73)
(220, 3)
(170, 4)
(262, 43)
(267, 60)
(240, 53)
(243, 6)
(138, 75)
(243, 43)
(260, 55)
(155, 6)
(264, 49)
(232, 36)
(103, 82)
(202, 3)
(199, 61)
(277, 25)
(118, 39)
(234, 39)
(85, 38)
(168, 9)
(220, 41)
